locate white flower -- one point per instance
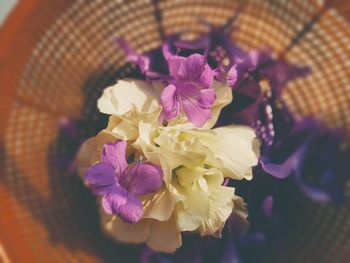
(195, 162)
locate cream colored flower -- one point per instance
(194, 161)
(158, 221)
(235, 149)
(128, 102)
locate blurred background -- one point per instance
(6, 7)
(57, 56)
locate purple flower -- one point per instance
(143, 61)
(151, 64)
(314, 154)
(121, 185)
(258, 81)
(188, 81)
(190, 89)
(261, 65)
(217, 43)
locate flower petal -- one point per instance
(192, 68)
(236, 74)
(221, 205)
(141, 60)
(195, 113)
(90, 151)
(207, 77)
(237, 148)
(238, 220)
(174, 64)
(84, 155)
(207, 98)
(125, 232)
(115, 198)
(223, 97)
(164, 236)
(132, 211)
(143, 178)
(100, 178)
(232, 75)
(169, 103)
(186, 176)
(280, 170)
(128, 95)
(114, 154)
(193, 210)
(160, 206)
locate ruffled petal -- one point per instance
(239, 217)
(221, 205)
(128, 95)
(186, 176)
(193, 210)
(238, 149)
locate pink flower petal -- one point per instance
(195, 113)
(141, 60)
(192, 68)
(232, 76)
(207, 77)
(196, 103)
(207, 98)
(174, 64)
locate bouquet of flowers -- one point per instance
(197, 144)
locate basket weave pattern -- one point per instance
(72, 55)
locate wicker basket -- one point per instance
(57, 56)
